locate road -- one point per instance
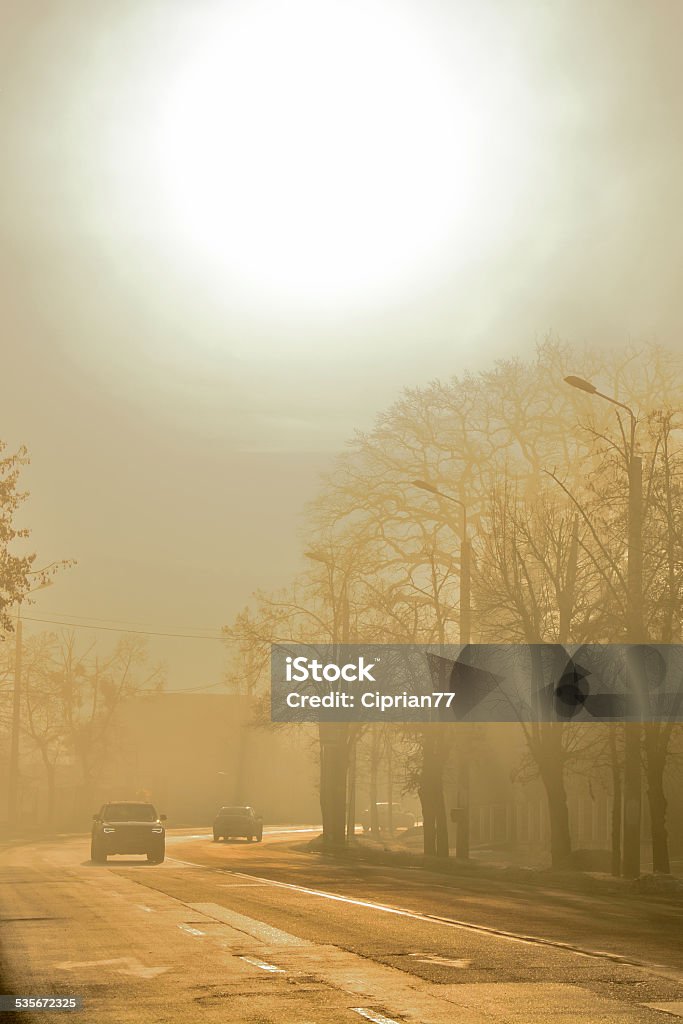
(268, 932)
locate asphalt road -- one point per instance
(262, 933)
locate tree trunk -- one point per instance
(374, 765)
(552, 775)
(430, 791)
(50, 781)
(655, 762)
(351, 801)
(390, 785)
(441, 821)
(333, 769)
(49, 784)
(616, 802)
(560, 838)
(428, 821)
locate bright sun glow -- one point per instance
(317, 153)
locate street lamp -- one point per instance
(13, 772)
(316, 555)
(635, 629)
(462, 840)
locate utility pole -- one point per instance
(635, 634)
(13, 774)
(630, 867)
(462, 832)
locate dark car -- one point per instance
(399, 817)
(128, 827)
(237, 821)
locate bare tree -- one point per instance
(93, 688)
(43, 718)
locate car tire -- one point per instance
(155, 858)
(96, 854)
(259, 837)
(250, 839)
(215, 838)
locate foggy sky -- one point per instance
(175, 439)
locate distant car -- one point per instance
(128, 827)
(231, 822)
(399, 817)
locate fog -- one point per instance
(175, 427)
(341, 533)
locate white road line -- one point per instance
(286, 831)
(450, 922)
(674, 1009)
(190, 931)
(141, 906)
(264, 966)
(377, 1018)
(241, 885)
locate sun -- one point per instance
(316, 154)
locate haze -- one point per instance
(179, 387)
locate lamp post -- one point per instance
(13, 768)
(635, 631)
(462, 835)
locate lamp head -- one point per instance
(581, 384)
(425, 486)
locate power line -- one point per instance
(193, 689)
(118, 629)
(124, 622)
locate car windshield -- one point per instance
(235, 810)
(129, 812)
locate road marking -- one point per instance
(450, 922)
(432, 958)
(675, 1009)
(286, 831)
(266, 832)
(264, 966)
(141, 906)
(241, 885)
(377, 1018)
(190, 931)
(180, 839)
(265, 933)
(129, 966)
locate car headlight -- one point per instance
(157, 829)
(107, 829)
